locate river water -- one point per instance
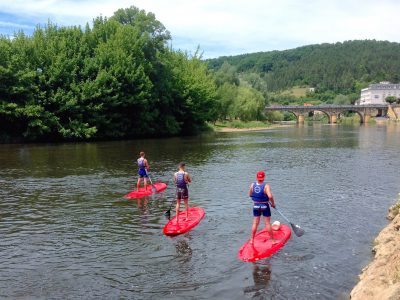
(66, 232)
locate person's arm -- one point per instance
(268, 191)
(251, 190)
(146, 165)
(174, 178)
(188, 178)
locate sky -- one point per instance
(226, 27)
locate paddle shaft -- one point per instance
(168, 212)
(287, 220)
(296, 228)
(151, 182)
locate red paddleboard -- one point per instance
(263, 247)
(195, 216)
(159, 187)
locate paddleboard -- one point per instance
(159, 187)
(195, 216)
(263, 247)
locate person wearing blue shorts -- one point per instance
(182, 179)
(143, 169)
(260, 193)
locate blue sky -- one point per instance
(226, 27)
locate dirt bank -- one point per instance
(381, 278)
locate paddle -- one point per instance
(168, 212)
(296, 228)
(153, 189)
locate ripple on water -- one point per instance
(66, 229)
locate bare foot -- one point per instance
(273, 241)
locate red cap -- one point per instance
(260, 175)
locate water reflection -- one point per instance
(183, 250)
(261, 278)
(143, 205)
(65, 226)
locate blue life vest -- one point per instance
(180, 180)
(141, 164)
(258, 194)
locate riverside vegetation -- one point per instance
(119, 78)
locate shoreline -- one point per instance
(233, 129)
(380, 279)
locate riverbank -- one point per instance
(381, 278)
(240, 126)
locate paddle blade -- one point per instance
(297, 230)
(168, 213)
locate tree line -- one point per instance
(117, 78)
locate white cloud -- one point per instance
(237, 26)
(15, 25)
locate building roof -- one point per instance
(385, 86)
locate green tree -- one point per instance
(341, 100)
(249, 104)
(227, 94)
(116, 79)
(390, 99)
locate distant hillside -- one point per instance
(338, 68)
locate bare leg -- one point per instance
(145, 183)
(256, 221)
(186, 207)
(178, 204)
(269, 229)
(138, 184)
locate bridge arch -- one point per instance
(296, 114)
(323, 111)
(360, 114)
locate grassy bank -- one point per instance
(239, 125)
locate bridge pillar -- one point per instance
(332, 118)
(300, 119)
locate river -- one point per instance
(66, 232)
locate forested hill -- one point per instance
(340, 67)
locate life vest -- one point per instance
(141, 164)
(258, 194)
(180, 180)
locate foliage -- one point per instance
(391, 99)
(274, 116)
(341, 100)
(117, 78)
(239, 97)
(332, 69)
(241, 124)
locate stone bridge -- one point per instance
(333, 111)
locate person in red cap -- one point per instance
(260, 193)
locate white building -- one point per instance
(377, 93)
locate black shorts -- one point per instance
(182, 193)
(261, 208)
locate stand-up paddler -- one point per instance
(182, 179)
(143, 169)
(260, 193)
